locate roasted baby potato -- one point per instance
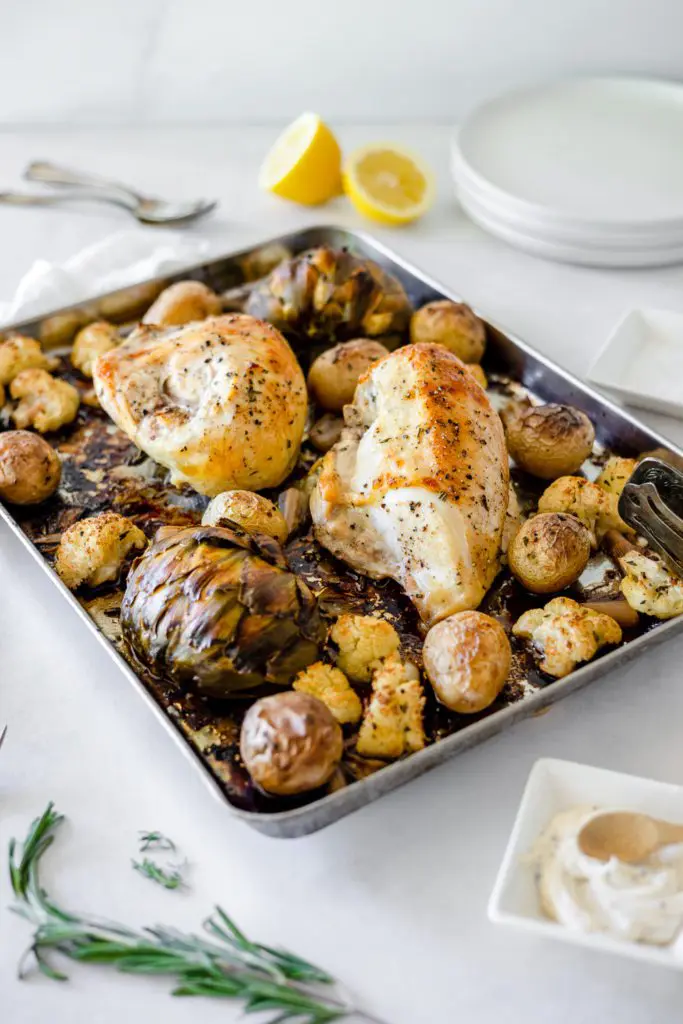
(90, 343)
(61, 328)
(94, 550)
(129, 303)
(467, 659)
(247, 510)
(45, 402)
(30, 469)
(549, 552)
(548, 441)
(183, 303)
(452, 324)
(290, 743)
(333, 377)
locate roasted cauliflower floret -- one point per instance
(615, 473)
(595, 507)
(91, 342)
(332, 687)
(649, 586)
(20, 353)
(363, 642)
(46, 403)
(566, 633)
(93, 550)
(392, 723)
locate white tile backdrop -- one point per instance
(132, 61)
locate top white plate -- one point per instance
(598, 152)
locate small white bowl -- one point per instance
(642, 361)
(555, 786)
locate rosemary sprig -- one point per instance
(155, 840)
(168, 879)
(226, 964)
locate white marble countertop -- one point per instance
(393, 899)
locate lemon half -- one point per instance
(304, 164)
(388, 184)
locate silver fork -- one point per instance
(78, 186)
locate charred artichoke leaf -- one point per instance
(330, 294)
(217, 611)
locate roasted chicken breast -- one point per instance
(221, 402)
(417, 487)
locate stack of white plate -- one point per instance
(587, 171)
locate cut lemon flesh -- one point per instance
(304, 164)
(388, 184)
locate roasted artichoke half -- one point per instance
(218, 612)
(328, 294)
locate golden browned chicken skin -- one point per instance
(417, 488)
(221, 403)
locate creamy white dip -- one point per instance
(641, 902)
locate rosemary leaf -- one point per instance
(224, 964)
(168, 879)
(156, 841)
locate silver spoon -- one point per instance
(79, 186)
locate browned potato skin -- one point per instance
(333, 377)
(452, 324)
(60, 329)
(290, 743)
(30, 469)
(467, 659)
(183, 303)
(129, 303)
(548, 441)
(550, 552)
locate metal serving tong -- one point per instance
(652, 503)
(76, 185)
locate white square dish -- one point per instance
(642, 361)
(555, 786)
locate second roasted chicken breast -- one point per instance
(417, 487)
(221, 403)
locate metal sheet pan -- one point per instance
(506, 354)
